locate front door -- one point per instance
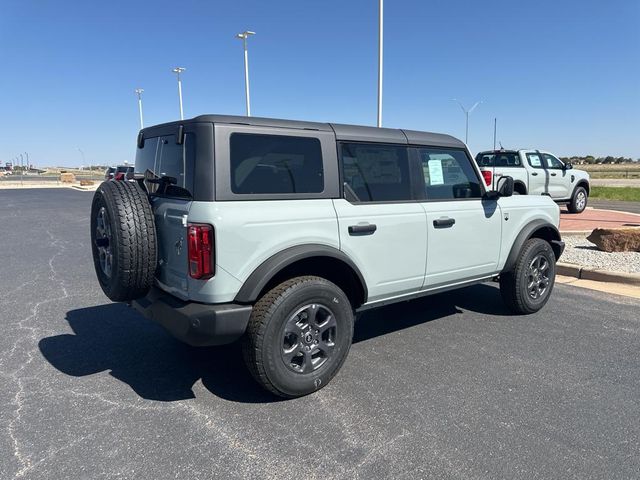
(381, 226)
(559, 178)
(464, 230)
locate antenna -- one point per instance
(495, 126)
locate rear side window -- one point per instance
(534, 160)
(375, 173)
(274, 164)
(448, 174)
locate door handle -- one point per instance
(444, 222)
(534, 174)
(553, 174)
(365, 229)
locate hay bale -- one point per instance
(67, 177)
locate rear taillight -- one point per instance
(201, 251)
(487, 177)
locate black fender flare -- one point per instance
(581, 183)
(520, 183)
(528, 232)
(260, 277)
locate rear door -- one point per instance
(382, 227)
(163, 156)
(538, 175)
(463, 229)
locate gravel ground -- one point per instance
(581, 251)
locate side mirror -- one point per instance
(568, 166)
(505, 186)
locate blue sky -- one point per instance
(561, 75)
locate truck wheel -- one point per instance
(123, 240)
(298, 336)
(578, 201)
(527, 288)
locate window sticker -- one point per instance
(435, 172)
(535, 161)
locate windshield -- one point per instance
(499, 159)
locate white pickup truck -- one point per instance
(537, 173)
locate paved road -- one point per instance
(445, 387)
(633, 207)
(616, 182)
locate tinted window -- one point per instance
(163, 157)
(275, 164)
(506, 159)
(448, 174)
(146, 156)
(375, 173)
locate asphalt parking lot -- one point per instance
(449, 386)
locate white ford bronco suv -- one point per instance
(537, 173)
(278, 232)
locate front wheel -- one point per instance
(527, 288)
(579, 200)
(298, 336)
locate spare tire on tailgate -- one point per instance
(123, 240)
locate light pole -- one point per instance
(380, 34)
(21, 168)
(466, 113)
(244, 35)
(139, 93)
(28, 166)
(178, 71)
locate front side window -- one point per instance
(448, 174)
(375, 173)
(552, 162)
(276, 164)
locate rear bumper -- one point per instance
(196, 324)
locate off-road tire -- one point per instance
(128, 217)
(578, 201)
(263, 341)
(514, 284)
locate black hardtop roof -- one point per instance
(342, 132)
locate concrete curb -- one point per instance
(596, 274)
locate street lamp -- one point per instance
(380, 33)
(244, 35)
(178, 71)
(139, 93)
(466, 113)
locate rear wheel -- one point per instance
(123, 240)
(298, 336)
(579, 200)
(527, 288)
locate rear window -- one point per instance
(272, 164)
(506, 159)
(163, 157)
